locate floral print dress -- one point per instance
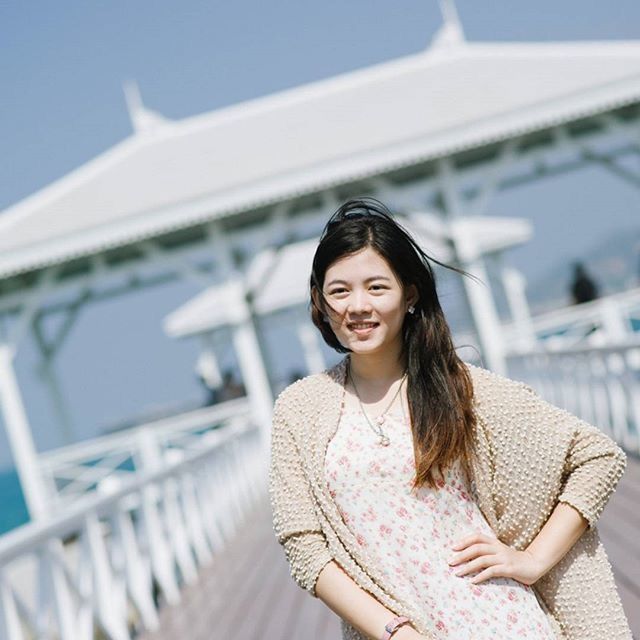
(410, 534)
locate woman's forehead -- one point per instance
(359, 266)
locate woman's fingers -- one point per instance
(474, 565)
(494, 571)
(473, 551)
(473, 538)
(479, 552)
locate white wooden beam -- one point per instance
(247, 346)
(20, 438)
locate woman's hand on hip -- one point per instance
(494, 559)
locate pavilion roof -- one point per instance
(176, 174)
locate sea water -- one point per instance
(13, 510)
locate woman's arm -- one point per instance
(357, 606)
(593, 462)
(492, 558)
(561, 531)
(294, 518)
(592, 465)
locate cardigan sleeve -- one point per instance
(594, 463)
(295, 523)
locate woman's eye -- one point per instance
(337, 291)
(378, 286)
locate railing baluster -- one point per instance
(10, 625)
(631, 382)
(239, 480)
(112, 619)
(601, 384)
(127, 538)
(44, 596)
(222, 500)
(137, 570)
(84, 586)
(194, 519)
(599, 392)
(232, 487)
(159, 549)
(176, 529)
(205, 495)
(61, 596)
(617, 397)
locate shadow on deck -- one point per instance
(247, 593)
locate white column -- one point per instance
(469, 257)
(614, 325)
(515, 289)
(254, 375)
(310, 340)
(245, 341)
(480, 297)
(20, 438)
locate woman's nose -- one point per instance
(359, 302)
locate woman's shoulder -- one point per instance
(293, 392)
(302, 393)
(492, 387)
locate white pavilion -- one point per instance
(434, 135)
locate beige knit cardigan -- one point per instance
(532, 455)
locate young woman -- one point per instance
(419, 496)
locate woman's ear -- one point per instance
(412, 296)
(316, 297)
(319, 303)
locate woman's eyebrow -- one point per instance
(367, 280)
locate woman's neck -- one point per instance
(376, 368)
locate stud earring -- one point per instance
(325, 318)
(411, 308)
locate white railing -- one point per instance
(73, 471)
(600, 384)
(105, 565)
(608, 319)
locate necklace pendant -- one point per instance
(384, 441)
(380, 420)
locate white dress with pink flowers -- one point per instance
(410, 534)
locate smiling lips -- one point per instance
(362, 327)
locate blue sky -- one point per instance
(62, 66)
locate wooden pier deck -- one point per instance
(247, 593)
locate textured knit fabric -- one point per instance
(530, 456)
(409, 533)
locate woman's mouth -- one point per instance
(362, 328)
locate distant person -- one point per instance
(231, 388)
(212, 394)
(583, 288)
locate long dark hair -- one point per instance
(439, 386)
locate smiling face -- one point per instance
(368, 303)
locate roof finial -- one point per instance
(142, 119)
(450, 33)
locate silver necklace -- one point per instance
(384, 438)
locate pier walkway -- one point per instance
(247, 594)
